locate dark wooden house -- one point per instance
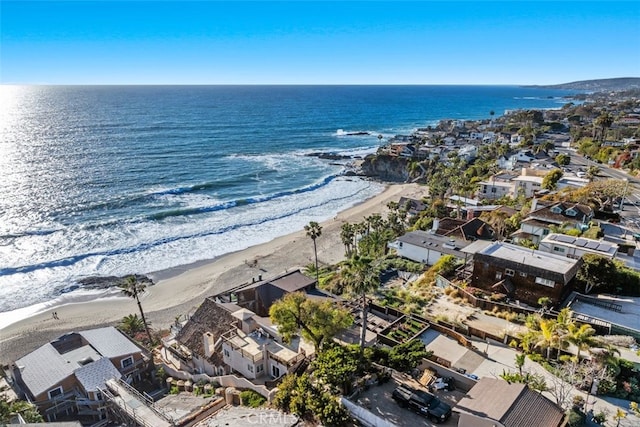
(520, 273)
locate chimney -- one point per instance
(260, 278)
(470, 214)
(534, 204)
(436, 225)
(208, 344)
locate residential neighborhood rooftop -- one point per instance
(512, 404)
(532, 257)
(69, 354)
(427, 240)
(597, 246)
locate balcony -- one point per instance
(247, 346)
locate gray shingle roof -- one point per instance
(513, 405)
(43, 368)
(534, 258)
(442, 244)
(95, 374)
(110, 342)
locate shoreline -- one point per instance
(179, 290)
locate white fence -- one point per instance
(365, 417)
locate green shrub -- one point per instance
(174, 390)
(252, 399)
(575, 418)
(535, 357)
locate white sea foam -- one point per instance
(175, 240)
(80, 295)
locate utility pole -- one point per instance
(624, 193)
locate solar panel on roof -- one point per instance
(581, 242)
(564, 238)
(593, 245)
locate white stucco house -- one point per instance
(427, 247)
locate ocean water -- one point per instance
(136, 179)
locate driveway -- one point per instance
(378, 400)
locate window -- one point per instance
(522, 274)
(125, 363)
(493, 189)
(498, 275)
(556, 209)
(570, 212)
(509, 272)
(226, 353)
(558, 249)
(545, 282)
(275, 371)
(250, 367)
(259, 368)
(55, 392)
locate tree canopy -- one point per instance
(28, 411)
(551, 179)
(316, 321)
(336, 366)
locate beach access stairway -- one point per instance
(129, 402)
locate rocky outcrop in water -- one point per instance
(106, 282)
(386, 168)
(330, 156)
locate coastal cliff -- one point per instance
(386, 168)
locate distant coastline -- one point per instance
(597, 85)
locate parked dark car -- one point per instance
(423, 403)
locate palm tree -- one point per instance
(132, 324)
(314, 230)
(592, 172)
(520, 358)
(361, 277)
(545, 146)
(132, 288)
(347, 235)
(580, 336)
(606, 358)
(547, 336)
(603, 122)
(564, 321)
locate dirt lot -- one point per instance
(379, 401)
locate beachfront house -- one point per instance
(232, 332)
(412, 206)
(66, 376)
(427, 248)
(520, 273)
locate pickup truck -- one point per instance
(423, 403)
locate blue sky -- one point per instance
(164, 42)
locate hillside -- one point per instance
(615, 84)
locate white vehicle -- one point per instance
(442, 384)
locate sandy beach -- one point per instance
(180, 290)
